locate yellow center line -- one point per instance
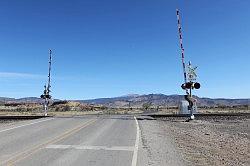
(26, 153)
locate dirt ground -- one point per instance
(211, 140)
(156, 147)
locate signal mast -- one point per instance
(189, 74)
(46, 96)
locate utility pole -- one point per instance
(46, 96)
(190, 76)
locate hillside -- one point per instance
(139, 100)
(162, 100)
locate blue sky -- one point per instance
(116, 47)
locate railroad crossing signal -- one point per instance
(46, 96)
(191, 78)
(188, 73)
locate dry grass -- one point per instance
(76, 108)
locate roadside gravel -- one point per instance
(214, 141)
(157, 148)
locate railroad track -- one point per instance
(198, 115)
(207, 116)
(21, 117)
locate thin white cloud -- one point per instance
(21, 75)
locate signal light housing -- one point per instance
(45, 96)
(197, 85)
(182, 86)
(190, 85)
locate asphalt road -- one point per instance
(89, 140)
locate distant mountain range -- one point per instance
(22, 100)
(135, 100)
(162, 100)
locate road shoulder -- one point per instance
(157, 147)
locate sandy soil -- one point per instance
(212, 141)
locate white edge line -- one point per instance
(135, 154)
(25, 125)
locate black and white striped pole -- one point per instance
(182, 48)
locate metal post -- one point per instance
(191, 106)
(46, 107)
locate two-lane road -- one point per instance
(89, 140)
